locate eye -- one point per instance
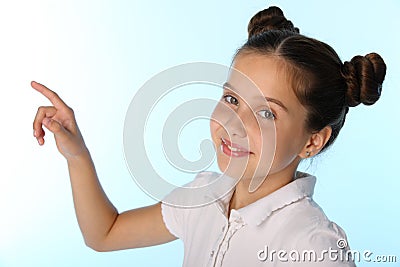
(231, 100)
(266, 114)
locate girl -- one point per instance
(309, 91)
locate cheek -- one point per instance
(266, 142)
(218, 117)
(214, 126)
(288, 143)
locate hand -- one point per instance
(60, 120)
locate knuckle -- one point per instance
(53, 94)
(70, 111)
(44, 109)
(56, 127)
(53, 126)
(39, 114)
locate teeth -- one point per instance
(233, 148)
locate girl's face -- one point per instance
(258, 132)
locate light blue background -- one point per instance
(96, 54)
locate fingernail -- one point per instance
(34, 133)
(46, 121)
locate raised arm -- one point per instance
(103, 228)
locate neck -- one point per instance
(242, 197)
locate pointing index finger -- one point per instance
(49, 94)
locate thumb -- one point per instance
(53, 126)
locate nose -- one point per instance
(235, 126)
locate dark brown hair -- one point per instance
(324, 85)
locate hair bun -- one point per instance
(271, 18)
(364, 77)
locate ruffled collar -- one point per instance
(257, 212)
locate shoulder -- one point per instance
(311, 234)
(204, 178)
(206, 188)
(187, 204)
(309, 222)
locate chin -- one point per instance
(235, 170)
(222, 165)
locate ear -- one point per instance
(316, 142)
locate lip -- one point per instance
(233, 150)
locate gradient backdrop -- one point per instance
(96, 54)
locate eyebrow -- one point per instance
(269, 99)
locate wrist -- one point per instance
(82, 155)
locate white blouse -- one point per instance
(285, 228)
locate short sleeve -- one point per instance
(172, 218)
(324, 244)
(176, 219)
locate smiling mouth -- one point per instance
(232, 149)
